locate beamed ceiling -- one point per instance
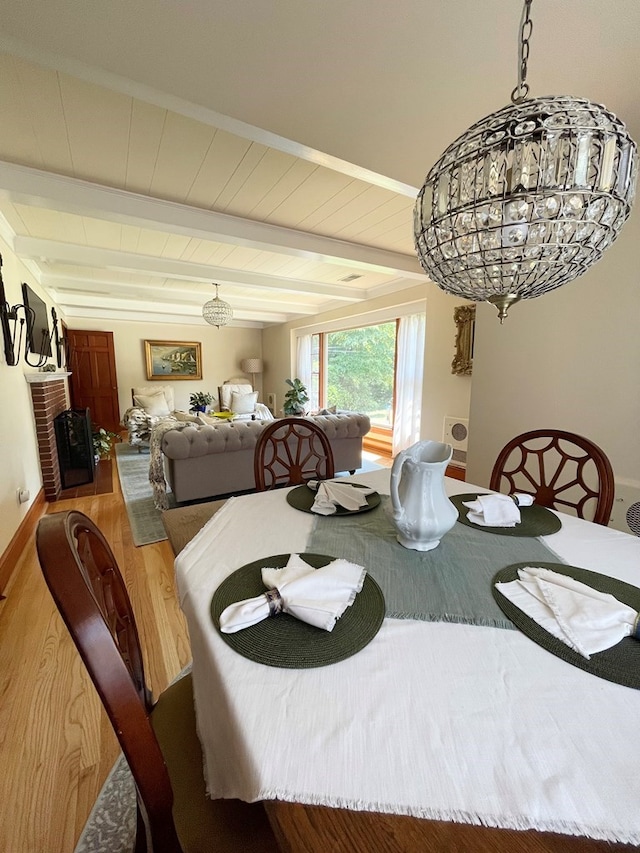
(149, 149)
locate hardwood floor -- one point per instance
(56, 744)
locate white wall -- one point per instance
(443, 393)
(567, 360)
(19, 460)
(222, 351)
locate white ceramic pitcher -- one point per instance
(422, 512)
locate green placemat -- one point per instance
(535, 520)
(286, 641)
(620, 663)
(302, 498)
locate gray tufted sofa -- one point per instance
(205, 461)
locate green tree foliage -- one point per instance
(360, 368)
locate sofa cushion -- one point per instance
(243, 404)
(225, 391)
(147, 390)
(154, 405)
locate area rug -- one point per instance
(133, 469)
(111, 826)
(145, 520)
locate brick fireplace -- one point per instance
(49, 396)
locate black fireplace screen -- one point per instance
(75, 447)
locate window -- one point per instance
(355, 369)
(376, 368)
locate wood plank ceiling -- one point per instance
(119, 255)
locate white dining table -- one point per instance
(451, 722)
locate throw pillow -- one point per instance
(225, 392)
(147, 390)
(153, 404)
(185, 416)
(244, 404)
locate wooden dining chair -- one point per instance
(560, 469)
(291, 451)
(158, 738)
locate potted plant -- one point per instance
(295, 399)
(199, 400)
(103, 440)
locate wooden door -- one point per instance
(93, 382)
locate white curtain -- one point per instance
(303, 362)
(409, 375)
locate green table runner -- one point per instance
(452, 583)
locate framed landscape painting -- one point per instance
(173, 359)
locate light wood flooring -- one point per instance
(56, 743)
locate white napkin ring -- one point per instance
(274, 600)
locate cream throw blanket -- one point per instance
(156, 466)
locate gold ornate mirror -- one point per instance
(465, 318)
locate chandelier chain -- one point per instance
(521, 91)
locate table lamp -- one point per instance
(252, 366)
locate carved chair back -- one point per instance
(291, 451)
(560, 469)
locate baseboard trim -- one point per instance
(14, 549)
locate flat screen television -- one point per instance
(38, 336)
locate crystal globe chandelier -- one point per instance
(528, 198)
(216, 311)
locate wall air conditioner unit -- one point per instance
(456, 433)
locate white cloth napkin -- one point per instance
(317, 596)
(586, 620)
(497, 510)
(330, 495)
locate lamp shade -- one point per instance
(251, 365)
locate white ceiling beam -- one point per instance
(53, 251)
(170, 311)
(24, 185)
(107, 314)
(62, 285)
(204, 115)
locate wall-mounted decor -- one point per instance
(465, 320)
(173, 359)
(28, 321)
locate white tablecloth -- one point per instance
(451, 722)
